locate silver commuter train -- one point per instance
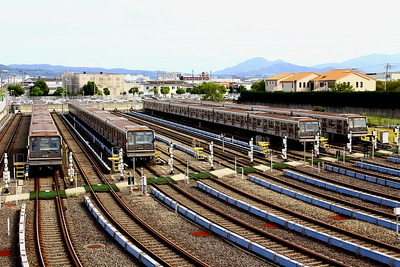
(136, 140)
(302, 129)
(331, 123)
(44, 140)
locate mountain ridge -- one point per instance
(254, 67)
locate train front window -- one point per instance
(358, 122)
(140, 138)
(49, 144)
(309, 126)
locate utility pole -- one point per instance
(387, 67)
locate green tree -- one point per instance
(165, 90)
(106, 91)
(318, 108)
(258, 86)
(134, 90)
(60, 91)
(99, 92)
(213, 92)
(90, 88)
(390, 86)
(36, 91)
(341, 87)
(42, 85)
(16, 90)
(154, 90)
(180, 91)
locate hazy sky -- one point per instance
(207, 35)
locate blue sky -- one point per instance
(205, 35)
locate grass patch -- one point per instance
(315, 160)
(278, 165)
(246, 169)
(374, 120)
(46, 195)
(200, 175)
(101, 187)
(158, 180)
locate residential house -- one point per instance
(273, 84)
(299, 82)
(359, 80)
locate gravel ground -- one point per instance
(7, 242)
(211, 249)
(88, 232)
(294, 237)
(360, 227)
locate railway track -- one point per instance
(250, 232)
(292, 216)
(54, 244)
(148, 239)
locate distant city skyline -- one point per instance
(206, 36)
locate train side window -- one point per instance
(34, 145)
(270, 124)
(339, 124)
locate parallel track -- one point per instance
(148, 239)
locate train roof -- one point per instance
(116, 121)
(42, 123)
(263, 114)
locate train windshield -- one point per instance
(309, 126)
(360, 122)
(45, 144)
(140, 138)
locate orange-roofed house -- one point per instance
(273, 84)
(359, 81)
(300, 82)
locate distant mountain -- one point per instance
(261, 67)
(45, 69)
(255, 67)
(368, 63)
(253, 64)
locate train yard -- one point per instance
(197, 199)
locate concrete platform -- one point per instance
(295, 163)
(179, 177)
(384, 152)
(15, 197)
(262, 168)
(223, 172)
(356, 155)
(329, 159)
(75, 191)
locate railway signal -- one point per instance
(211, 157)
(71, 170)
(121, 164)
(349, 144)
(396, 138)
(6, 174)
(316, 145)
(171, 158)
(284, 147)
(251, 152)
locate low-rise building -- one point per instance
(359, 80)
(74, 82)
(299, 82)
(274, 83)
